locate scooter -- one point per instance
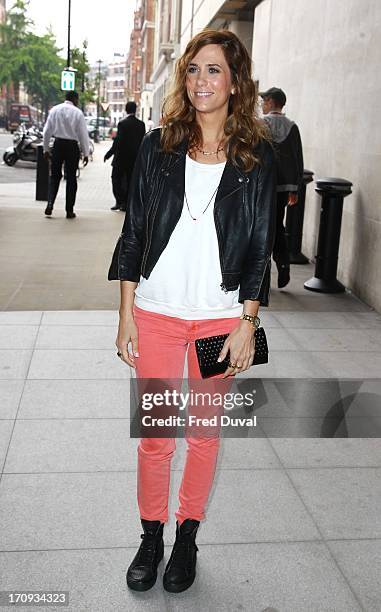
(24, 147)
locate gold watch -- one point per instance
(253, 319)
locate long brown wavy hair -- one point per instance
(243, 128)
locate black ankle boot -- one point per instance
(180, 571)
(142, 573)
(283, 275)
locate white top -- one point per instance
(185, 282)
(67, 121)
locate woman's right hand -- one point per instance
(127, 332)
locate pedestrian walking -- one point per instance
(125, 149)
(201, 210)
(288, 144)
(67, 124)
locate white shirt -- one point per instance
(67, 121)
(185, 282)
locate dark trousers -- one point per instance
(121, 177)
(119, 186)
(64, 151)
(280, 252)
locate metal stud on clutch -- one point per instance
(208, 350)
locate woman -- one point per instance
(200, 211)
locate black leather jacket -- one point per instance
(244, 215)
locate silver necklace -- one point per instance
(206, 207)
(210, 152)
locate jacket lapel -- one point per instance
(232, 178)
(175, 172)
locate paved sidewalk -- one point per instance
(54, 262)
(293, 525)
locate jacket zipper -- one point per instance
(220, 250)
(149, 234)
(263, 275)
(222, 285)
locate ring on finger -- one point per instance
(232, 365)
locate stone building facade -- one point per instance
(329, 66)
(134, 59)
(116, 89)
(3, 90)
(166, 51)
(147, 46)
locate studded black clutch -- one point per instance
(208, 349)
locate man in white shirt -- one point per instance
(67, 124)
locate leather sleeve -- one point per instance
(296, 156)
(255, 279)
(111, 151)
(127, 257)
(299, 156)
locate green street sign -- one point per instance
(67, 80)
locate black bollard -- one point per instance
(333, 192)
(294, 223)
(42, 175)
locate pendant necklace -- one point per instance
(206, 207)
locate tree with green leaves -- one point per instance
(42, 70)
(36, 61)
(13, 34)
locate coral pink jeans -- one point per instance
(164, 343)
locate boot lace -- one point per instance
(181, 556)
(147, 548)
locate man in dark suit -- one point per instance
(125, 149)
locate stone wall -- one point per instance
(326, 55)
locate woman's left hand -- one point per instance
(241, 344)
